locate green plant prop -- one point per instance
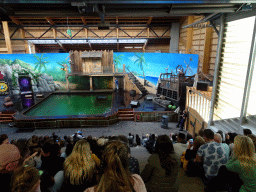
(69, 32)
(23, 72)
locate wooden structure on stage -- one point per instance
(93, 64)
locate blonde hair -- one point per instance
(244, 151)
(79, 166)
(25, 179)
(198, 142)
(116, 176)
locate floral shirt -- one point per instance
(214, 157)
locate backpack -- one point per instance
(183, 161)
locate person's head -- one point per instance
(164, 148)
(247, 131)
(174, 138)
(201, 132)
(4, 139)
(22, 145)
(47, 147)
(89, 137)
(198, 141)
(79, 132)
(115, 175)
(69, 149)
(137, 136)
(181, 138)
(79, 166)
(221, 133)
(217, 138)
(153, 136)
(208, 135)
(123, 139)
(25, 179)
(34, 139)
(232, 137)
(53, 133)
(9, 158)
(244, 151)
(130, 134)
(195, 135)
(55, 150)
(253, 138)
(189, 136)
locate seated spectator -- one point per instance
(247, 132)
(181, 145)
(253, 138)
(51, 160)
(134, 166)
(151, 143)
(131, 139)
(4, 139)
(54, 137)
(79, 168)
(34, 143)
(239, 173)
(25, 179)
(212, 155)
(218, 139)
(190, 155)
(145, 139)
(231, 142)
(24, 153)
(9, 162)
(37, 158)
(160, 172)
(138, 140)
(115, 175)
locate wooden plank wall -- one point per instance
(198, 43)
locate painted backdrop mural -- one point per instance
(149, 66)
(46, 70)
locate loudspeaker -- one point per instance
(202, 86)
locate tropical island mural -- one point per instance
(147, 67)
(48, 70)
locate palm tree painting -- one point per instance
(117, 60)
(63, 63)
(41, 62)
(140, 61)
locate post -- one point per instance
(216, 70)
(174, 38)
(91, 87)
(7, 37)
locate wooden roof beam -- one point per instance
(149, 20)
(84, 20)
(50, 20)
(16, 21)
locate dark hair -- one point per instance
(253, 137)
(232, 137)
(123, 138)
(152, 136)
(47, 147)
(164, 148)
(189, 136)
(35, 139)
(196, 134)
(69, 149)
(182, 136)
(2, 138)
(209, 134)
(247, 132)
(201, 132)
(65, 137)
(174, 137)
(55, 150)
(22, 145)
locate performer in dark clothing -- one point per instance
(182, 120)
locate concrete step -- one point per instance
(252, 121)
(5, 121)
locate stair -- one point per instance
(126, 114)
(137, 83)
(6, 117)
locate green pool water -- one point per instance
(80, 104)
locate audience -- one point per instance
(25, 179)
(212, 155)
(79, 168)
(160, 172)
(106, 163)
(115, 175)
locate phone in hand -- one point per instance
(191, 141)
